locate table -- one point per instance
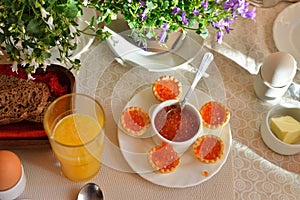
(252, 171)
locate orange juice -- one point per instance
(78, 144)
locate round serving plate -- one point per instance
(135, 150)
(286, 31)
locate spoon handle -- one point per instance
(206, 60)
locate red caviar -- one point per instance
(178, 125)
(213, 113)
(134, 120)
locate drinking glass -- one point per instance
(74, 124)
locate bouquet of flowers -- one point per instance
(30, 29)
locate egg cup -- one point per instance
(16, 190)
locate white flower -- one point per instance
(45, 65)
(72, 30)
(19, 45)
(30, 77)
(14, 67)
(50, 23)
(74, 41)
(85, 2)
(44, 13)
(34, 64)
(24, 63)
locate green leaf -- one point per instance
(2, 38)
(69, 10)
(150, 5)
(33, 27)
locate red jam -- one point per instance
(177, 125)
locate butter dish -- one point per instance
(270, 139)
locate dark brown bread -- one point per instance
(20, 99)
(39, 118)
(8, 82)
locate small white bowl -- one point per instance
(179, 146)
(270, 138)
(16, 190)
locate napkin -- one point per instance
(249, 42)
(22, 130)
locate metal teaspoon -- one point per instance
(206, 60)
(90, 191)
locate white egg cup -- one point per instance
(16, 190)
(266, 92)
(275, 76)
(179, 147)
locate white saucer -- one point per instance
(190, 170)
(286, 31)
(183, 52)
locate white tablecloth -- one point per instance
(252, 170)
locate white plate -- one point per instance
(189, 171)
(286, 31)
(180, 56)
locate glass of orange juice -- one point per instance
(74, 124)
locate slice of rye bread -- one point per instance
(39, 118)
(26, 99)
(8, 82)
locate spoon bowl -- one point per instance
(206, 60)
(90, 191)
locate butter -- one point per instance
(286, 128)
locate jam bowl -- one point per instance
(178, 127)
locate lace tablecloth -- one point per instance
(259, 173)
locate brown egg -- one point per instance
(10, 169)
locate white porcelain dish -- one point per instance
(269, 137)
(190, 170)
(286, 31)
(180, 56)
(179, 146)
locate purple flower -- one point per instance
(142, 3)
(222, 25)
(165, 26)
(163, 37)
(205, 4)
(251, 14)
(240, 7)
(196, 12)
(176, 10)
(220, 37)
(184, 18)
(144, 15)
(164, 34)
